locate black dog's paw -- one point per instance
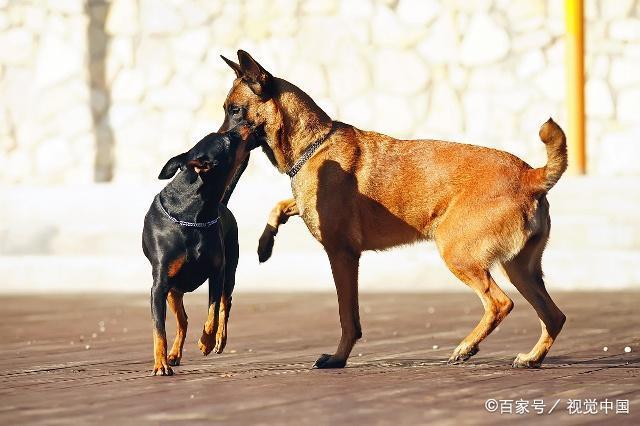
(328, 361)
(265, 244)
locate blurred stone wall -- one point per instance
(108, 90)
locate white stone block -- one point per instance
(52, 157)
(348, 78)
(309, 77)
(615, 9)
(476, 114)
(530, 64)
(394, 115)
(401, 72)
(358, 111)
(531, 40)
(356, 9)
(191, 44)
(66, 6)
(495, 77)
(624, 72)
(388, 30)
(598, 99)
(444, 113)
(618, 152)
(441, 44)
(227, 27)
(599, 67)
(625, 29)
(320, 7)
(178, 93)
(128, 86)
(627, 108)
(17, 46)
(122, 18)
(417, 12)
(121, 114)
(160, 17)
(57, 60)
(469, 6)
(35, 18)
(484, 42)
(197, 13)
(551, 82)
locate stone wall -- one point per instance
(101, 90)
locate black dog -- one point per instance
(190, 235)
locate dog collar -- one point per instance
(308, 153)
(183, 223)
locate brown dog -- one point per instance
(358, 190)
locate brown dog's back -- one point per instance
(404, 189)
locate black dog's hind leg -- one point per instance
(159, 293)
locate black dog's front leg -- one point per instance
(159, 293)
(214, 331)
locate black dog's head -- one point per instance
(215, 159)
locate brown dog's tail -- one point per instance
(544, 178)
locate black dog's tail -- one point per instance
(234, 182)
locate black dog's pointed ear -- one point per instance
(235, 67)
(172, 166)
(258, 79)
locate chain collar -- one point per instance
(183, 223)
(307, 154)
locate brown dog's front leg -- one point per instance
(279, 215)
(344, 266)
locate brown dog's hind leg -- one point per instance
(279, 215)
(344, 266)
(174, 300)
(525, 272)
(497, 305)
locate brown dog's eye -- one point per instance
(234, 110)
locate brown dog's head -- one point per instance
(285, 118)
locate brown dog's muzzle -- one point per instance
(199, 166)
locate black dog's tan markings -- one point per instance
(175, 265)
(186, 245)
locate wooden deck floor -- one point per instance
(87, 359)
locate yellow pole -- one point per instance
(574, 75)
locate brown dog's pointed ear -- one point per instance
(235, 67)
(258, 79)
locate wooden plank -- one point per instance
(397, 372)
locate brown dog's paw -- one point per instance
(161, 368)
(521, 361)
(460, 356)
(265, 244)
(174, 360)
(206, 343)
(329, 361)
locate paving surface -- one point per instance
(87, 359)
